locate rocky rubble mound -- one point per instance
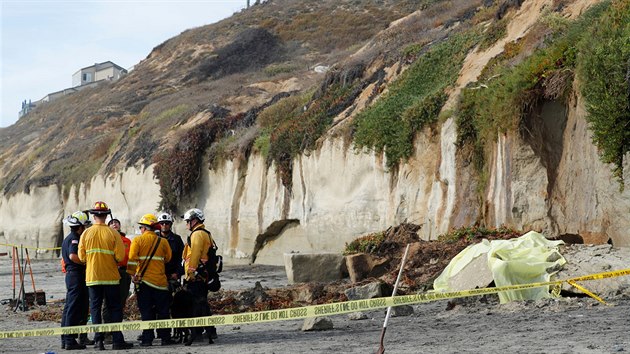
(425, 261)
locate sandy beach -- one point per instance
(472, 325)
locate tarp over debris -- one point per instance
(528, 259)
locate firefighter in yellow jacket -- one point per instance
(149, 253)
(196, 253)
(101, 248)
(197, 245)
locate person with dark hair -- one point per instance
(101, 248)
(75, 310)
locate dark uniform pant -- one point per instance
(154, 305)
(125, 282)
(110, 293)
(75, 310)
(199, 290)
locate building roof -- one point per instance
(105, 64)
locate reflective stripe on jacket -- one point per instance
(141, 248)
(200, 241)
(101, 248)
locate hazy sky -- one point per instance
(44, 42)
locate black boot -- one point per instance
(168, 341)
(83, 339)
(212, 332)
(75, 346)
(98, 345)
(122, 346)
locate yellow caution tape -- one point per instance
(586, 291)
(297, 312)
(31, 247)
(604, 275)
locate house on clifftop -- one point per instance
(97, 72)
(87, 77)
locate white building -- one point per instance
(97, 72)
(89, 76)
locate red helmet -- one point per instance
(100, 208)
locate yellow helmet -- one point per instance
(148, 220)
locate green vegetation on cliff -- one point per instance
(604, 77)
(413, 101)
(511, 88)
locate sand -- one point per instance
(473, 325)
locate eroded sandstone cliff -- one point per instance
(546, 177)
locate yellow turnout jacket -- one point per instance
(196, 250)
(101, 248)
(141, 248)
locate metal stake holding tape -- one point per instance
(381, 348)
(13, 260)
(22, 272)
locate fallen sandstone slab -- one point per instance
(313, 267)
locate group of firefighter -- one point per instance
(100, 263)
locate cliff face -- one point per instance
(545, 176)
(556, 183)
(339, 194)
(34, 219)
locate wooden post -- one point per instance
(30, 270)
(381, 348)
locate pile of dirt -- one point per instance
(427, 259)
(425, 262)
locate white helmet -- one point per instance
(192, 214)
(78, 218)
(165, 217)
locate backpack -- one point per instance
(215, 261)
(211, 269)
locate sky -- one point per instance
(44, 42)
